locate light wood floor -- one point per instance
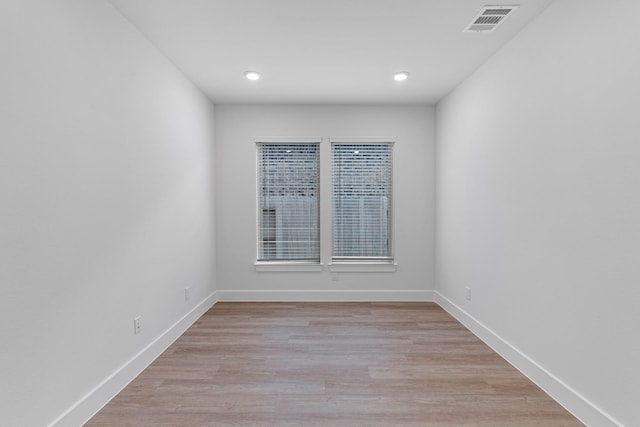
(330, 364)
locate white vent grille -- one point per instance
(489, 18)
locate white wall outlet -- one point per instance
(467, 293)
(137, 325)
(334, 277)
(187, 293)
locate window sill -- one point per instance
(267, 266)
(363, 267)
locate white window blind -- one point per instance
(288, 211)
(362, 201)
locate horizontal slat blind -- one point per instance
(288, 211)
(362, 195)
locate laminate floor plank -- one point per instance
(330, 364)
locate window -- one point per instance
(362, 201)
(288, 209)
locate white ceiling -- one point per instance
(324, 51)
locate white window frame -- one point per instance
(283, 266)
(387, 265)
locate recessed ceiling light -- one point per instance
(252, 75)
(401, 76)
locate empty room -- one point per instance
(319, 213)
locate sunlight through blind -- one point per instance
(362, 184)
(288, 210)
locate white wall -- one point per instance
(106, 201)
(236, 127)
(538, 199)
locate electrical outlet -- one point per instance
(137, 325)
(334, 277)
(467, 293)
(187, 293)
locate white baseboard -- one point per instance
(575, 403)
(93, 401)
(562, 393)
(324, 295)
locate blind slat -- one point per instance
(362, 194)
(288, 211)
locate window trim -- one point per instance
(387, 140)
(285, 265)
(362, 265)
(288, 139)
(281, 266)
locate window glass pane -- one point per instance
(362, 182)
(288, 211)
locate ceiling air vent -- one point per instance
(489, 18)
